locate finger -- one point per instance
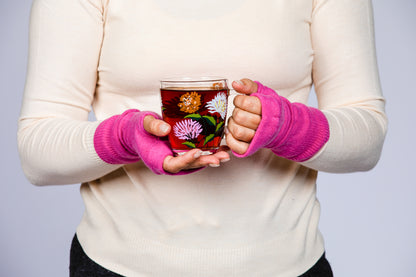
(248, 103)
(237, 146)
(213, 160)
(155, 126)
(194, 159)
(222, 155)
(246, 119)
(245, 86)
(175, 164)
(239, 132)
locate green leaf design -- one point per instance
(193, 116)
(211, 120)
(189, 144)
(209, 138)
(219, 126)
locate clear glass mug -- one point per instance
(196, 109)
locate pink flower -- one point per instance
(187, 129)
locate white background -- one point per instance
(368, 219)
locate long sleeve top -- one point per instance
(254, 216)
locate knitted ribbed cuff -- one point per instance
(307, 134)
(108, 140)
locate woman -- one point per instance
(251, 213)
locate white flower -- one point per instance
(187, 129)
(218, 104)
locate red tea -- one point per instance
(197, 117)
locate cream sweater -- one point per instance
(256, 216)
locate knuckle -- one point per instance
(247, 102)
(148, 122)
(253, 86)
(227, 139)
(257, 121)
(153, 126)
(239, 133)
(231, 142)
(250, 135)
(239, 116)
(168, 166)
(241, 149)
(236, 100)
(234, 145)
(232, 128)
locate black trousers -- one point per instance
(82, 266)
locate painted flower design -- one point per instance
(218, 104)
(187, 129)
(190, 102)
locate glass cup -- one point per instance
(196, 109)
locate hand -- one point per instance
(264, 119)
(246, 117)
(192, 159)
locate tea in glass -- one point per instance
(196, 109)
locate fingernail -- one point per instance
(239, 82)
(164, 128)
(197, 154)
(225, 160)
(214, 165)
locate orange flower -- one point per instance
(190, 102)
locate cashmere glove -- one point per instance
(291, 130)
(122, 139)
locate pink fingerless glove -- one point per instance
(291, 130)
(122, 139)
